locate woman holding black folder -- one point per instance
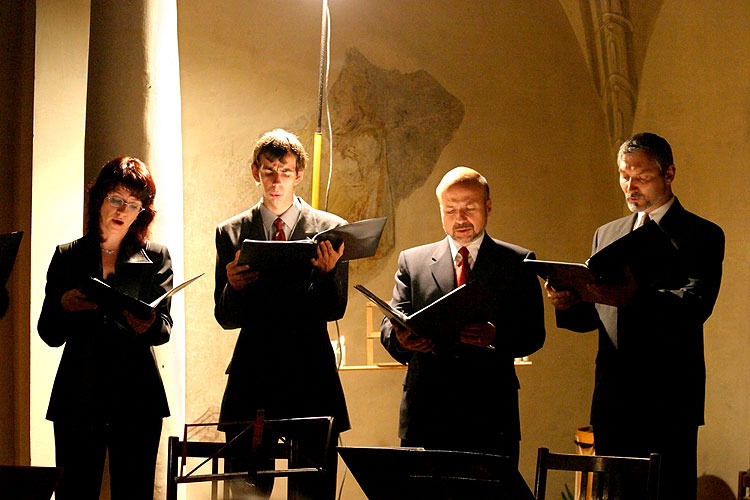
(108, 394)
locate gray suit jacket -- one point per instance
(283, 361)
(469, 390)
(650, 368)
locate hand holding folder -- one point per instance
(646, 252)
(442, 320)
(107, 297)
(360, 240)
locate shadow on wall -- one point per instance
(713, 488)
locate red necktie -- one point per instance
(279, 236)
(463, 269)
(644, 220)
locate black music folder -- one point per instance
(561, 276)
(9, 244)
(415, 473)
(647, 251)
(360, 240)
(114, 300)
(442, 320)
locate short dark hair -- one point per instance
(132, 174)
(657, 148)
(276, 144)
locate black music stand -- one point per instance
(412, 473)
(252, 441)
(20, 482)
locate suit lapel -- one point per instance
(609, 314)
(254, 228)
(441, 266)
(616, 231)
(673, 220)
(486, 264)
(136, 267)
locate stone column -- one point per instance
(612, 57)
(133, 108)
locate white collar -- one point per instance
(289, 218)
(473, 248)
(657, 213)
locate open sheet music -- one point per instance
(444, 319)
(98, 291)
(360, 240)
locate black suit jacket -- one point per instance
(469, 390)
(107, 371)
(283, 361)
(650, 368)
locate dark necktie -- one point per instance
(463, 269)
(278, 224)
(644, 219)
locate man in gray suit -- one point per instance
(650, 378)
(464, 396)
(283, 362)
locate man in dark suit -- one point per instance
(283, 362)
(464, 396)
(650, 372)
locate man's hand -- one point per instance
(75, 300)
(139, 325)
(618, 294)
(562, 300)
(239, 276)
(408, 340)
(478, 334)
(327, 256)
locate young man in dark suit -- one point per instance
(283, 362)
(464, 396)
(650, 373)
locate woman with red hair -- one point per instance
(108, 395)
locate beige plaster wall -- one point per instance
(59, 119)
(694, 91)
(533, 125)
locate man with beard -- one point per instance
(464, 396)
(650, 373)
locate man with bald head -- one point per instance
(464, 396)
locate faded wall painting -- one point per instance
(388, 131)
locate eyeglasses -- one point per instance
(118, 203)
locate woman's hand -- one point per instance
(75, 300)
(139, 325)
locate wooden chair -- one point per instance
(608, 472)
(743, 488)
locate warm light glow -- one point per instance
(164, 158)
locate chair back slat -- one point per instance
(606, 470)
